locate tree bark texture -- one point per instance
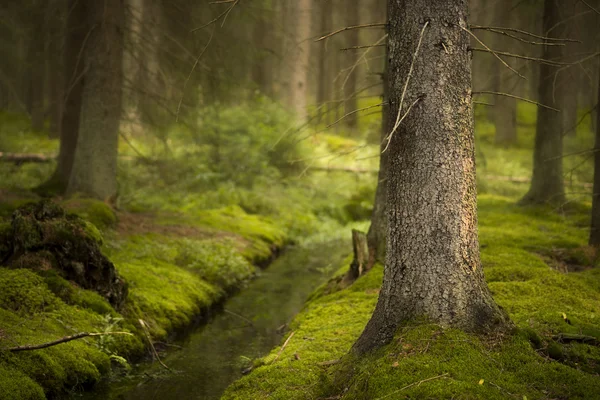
(325, 84)
(547, 181)
(432, 269)
(95, 164)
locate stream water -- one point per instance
(250, 325)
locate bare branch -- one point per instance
(516, 97)
(349, 28)
(541, 60)
(480, 27)
(63, 340)
(492, 51)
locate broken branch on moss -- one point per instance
(63, 340)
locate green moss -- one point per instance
(527, 364)
(95, 211)
(24, 292)
(16, 385)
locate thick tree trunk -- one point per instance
(299, 75)
(547, 181)
(595, 228)
(95, 165)
(76, 31)
(432, 266)
(350, 101)
(377, 235)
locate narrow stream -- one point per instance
(249, 327)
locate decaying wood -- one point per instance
(569, 337)
(283, 347)
(20, 158)
(361, 255)
(63, 340)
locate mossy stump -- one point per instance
(43, 237)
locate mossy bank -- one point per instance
(174, 272)
(528, 275)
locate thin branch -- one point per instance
(413, 384)
(190, 75)
(410, 70)
(541, 60)
(354, 112)
(480, 27)
(63, 340)
(362, 47)
(590, 7)
(223, 15)
(349, 28)
(147, 333)
(283, 347)
(501, 32)
(516, 97)
(492, 51)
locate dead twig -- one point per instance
(154, 352)
(414, 384)
(283, 347)
(515, 97)
(63, 340)
(347, 28)
(522, 32)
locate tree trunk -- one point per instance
(547, 181)
(76, 31)
(505, 109)
(325, 79)
(95, 164)
(36, 70)
(377, 235)
(432, 265)
(350, 101)
(300, 56)
(595, 228)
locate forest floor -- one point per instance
(181, 240)
(185, 237)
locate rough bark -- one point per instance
(350, 100)
(377, 235)
(77, 29)
(298, 99)
(595, 228)
(432, 268)
(547, 180)
(95, 164)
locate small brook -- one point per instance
(252, 322)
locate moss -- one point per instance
(24, 292)
(95, 211)
(527, 364)
(16, 385)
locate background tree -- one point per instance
(432, 268)
(94, 170)
(547, 181)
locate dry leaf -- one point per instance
(481, 381)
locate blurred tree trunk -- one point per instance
(432, 265)
(300, 58)
(76, 31)
(55, 66)
(94, 170)
(325, 77)
(377, 235)
(595, 227)
(36, 67)
(547, 181)
(505, 109)
(351, 73)
(262, 69)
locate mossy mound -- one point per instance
(43, 237)
(95, 211)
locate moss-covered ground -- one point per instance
(539, 270)
(182, 235)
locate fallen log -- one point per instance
(20, 158)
